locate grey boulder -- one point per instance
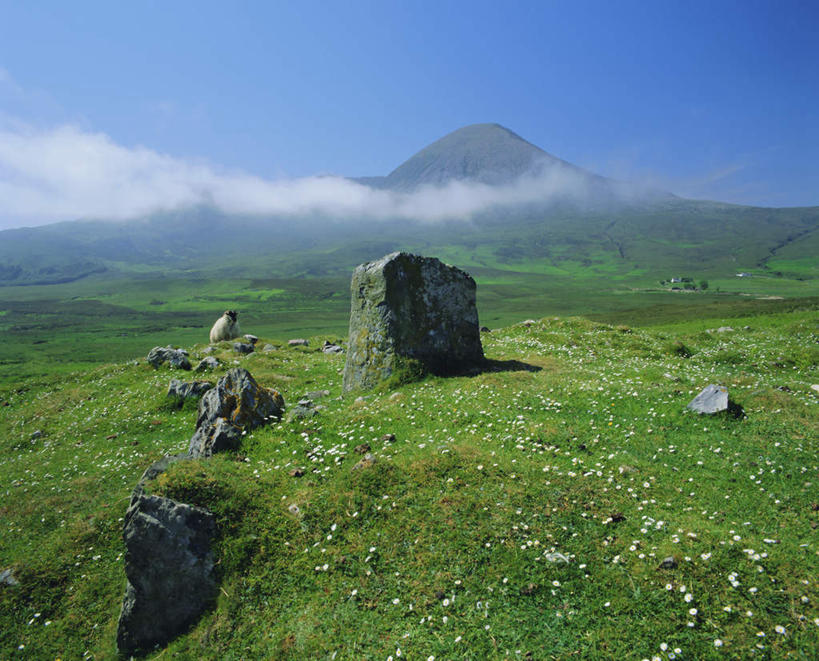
(410, 308)
(207, 363)
(236, 404)
(712, 399)
(169, 565)
(243, 347)
(188, 389)
(177, 358)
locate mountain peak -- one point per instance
(485, 153)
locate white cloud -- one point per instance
(67, 173)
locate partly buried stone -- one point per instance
(7, 578)
(243, 347)
(303, 410)
(299, 342)
(252, 339)
(366, 461)
(169, 566)
(188, 389)
(207, 363)
(236, 404)
(177, 358)
(712, 399)
(407, 308)
(330, 347)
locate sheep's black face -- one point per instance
(232, 314)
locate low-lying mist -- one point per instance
(67, 174)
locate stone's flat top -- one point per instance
(712, 399)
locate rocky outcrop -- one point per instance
(177, 358)
(236, 404)
(410, 308)
(169, 565)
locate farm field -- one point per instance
(523, 512)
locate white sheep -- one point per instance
(225, 328)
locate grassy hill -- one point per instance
(577, 443)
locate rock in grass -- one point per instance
(329, 347)
(299, 342)
(188, 389)
(668, 563)
(815, 387)
(170, 570)
(366, 461)
(243, 347)
(410, 312)
(236, 404)
(303, 410)
(712, 399)
(317, 394)
(267, 348)
(207, 363)
(7, 578)
(177, 358)
(252, 339)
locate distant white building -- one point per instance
(743, 275)
(676, 280)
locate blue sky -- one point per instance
(712, 99)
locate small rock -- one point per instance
(528, 322)
(303, 410)
(251, 338)
(815, 387)
(784, 388)
(485, 329)
(712, 399)
(7, 578)
(208, 350)
(746, 328)
(367, 461)
(317, 394)
(298, 343)
(243, 348)
(177, 358)
(188, 390)
(668, 563)
(267, 348)
(724, 329)
(296, 472)
(333, 348)
(293, 508)
(388, 438)
(364, 448)
(37, 434)
(557, 558)
(207, 363)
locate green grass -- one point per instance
(439, 549)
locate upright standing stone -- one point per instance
(410, 307)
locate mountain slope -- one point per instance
(566, 215)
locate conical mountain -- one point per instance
(485, 153)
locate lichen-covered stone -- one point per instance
(236, 404)
(169, 566)
(407, 308)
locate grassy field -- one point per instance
(55, 329)
(443, 548)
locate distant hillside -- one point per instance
(598, 224)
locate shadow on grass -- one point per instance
(491, 365)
